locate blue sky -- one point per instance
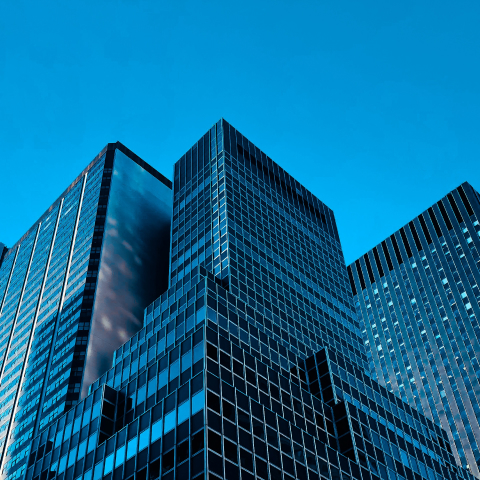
(373, 106)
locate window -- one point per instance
(157, 430)
(132, 448)
(198, 402)
(120, 456)
(144, 439)
(170, 421)
(183, 411)
(108, 464)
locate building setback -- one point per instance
(417, 296)
(251, 364)
(73, 289)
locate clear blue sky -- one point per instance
(373, 106)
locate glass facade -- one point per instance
(251, 364)
(417, 297)
(48, 291)
(3, 251)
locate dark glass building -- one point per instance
(251, 364)
(417, 296)
(73, 289)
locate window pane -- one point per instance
(186, 361)
(62, 464)
(144, 439)
(198, 402)
(183, 411)
(96, 410)
(141, 395)
(162, 378)
(120, 456)
(71, 457)
(157, 430)
(170, 421)
(108, 464)
(81, 449)
(132, 447)
(98, 471)
(198, 353)
(174, 370)
(92, 442)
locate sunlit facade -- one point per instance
(417, 296)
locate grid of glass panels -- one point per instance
(160, 394)
(47, 271)
(416, 442)
(219, 383)
(262, 419)
(9, 313)
(417, 297)
(286, 251)
(276, 246)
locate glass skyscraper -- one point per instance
(417, 296)
(251, 363)
(73, 289)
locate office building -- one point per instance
(73, 289)
(251, 364)
(417, 296)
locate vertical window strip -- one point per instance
(369, 269)
(352, 281)
(416, 238)
(396, 249)
(445, 216)
(378, 262)
(455, 209)
(387, 255)
(434, 220)
(405, 242)
(426, 232)
(360, 274)
(465, 201)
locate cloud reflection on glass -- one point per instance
(134, 266)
